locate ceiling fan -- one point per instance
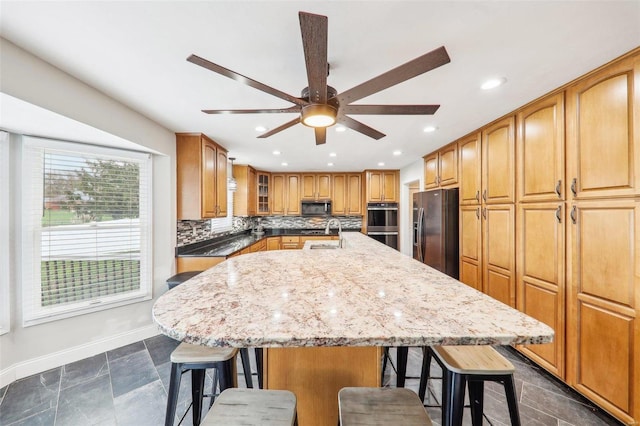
(320, 105)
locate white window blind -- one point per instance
(86, 228)
(5, 300)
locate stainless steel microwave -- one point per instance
(316, 208)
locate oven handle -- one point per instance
(383, 208)
(382, 233)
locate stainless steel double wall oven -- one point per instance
(382, 223)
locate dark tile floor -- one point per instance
(128, 386)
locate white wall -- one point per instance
(408, 174)
(25, 351)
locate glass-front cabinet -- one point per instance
(264, 207)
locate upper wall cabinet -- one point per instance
(346, 194)
(382, 186)
(470, 154)
(316, 186)
(603, 126)
(245, 199)
(285, 194)
(498, 171)
(540, 148)
(264, 199)
(201, 174)
(441, 168)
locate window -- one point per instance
(86, 228)
(5, 299)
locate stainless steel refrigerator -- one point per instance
(435, 229)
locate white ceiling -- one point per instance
(136, 53)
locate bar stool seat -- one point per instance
(381, 406)
(235, 407)
(472, 366)
(196, 358)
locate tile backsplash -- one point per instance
(194, 231)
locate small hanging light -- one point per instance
(232, 184)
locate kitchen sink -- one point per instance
(323, 246)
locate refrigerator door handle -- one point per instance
(420, 224)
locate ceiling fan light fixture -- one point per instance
(319, 115)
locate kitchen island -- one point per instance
(330, 310)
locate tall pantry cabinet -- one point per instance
(540, 229)
(603, 156)
(487, 215)
(575, 207)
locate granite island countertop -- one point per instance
(229, 244)
(365, 294)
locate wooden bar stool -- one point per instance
(472, 365)
(196, 358)
(381, 406)
(235, 407)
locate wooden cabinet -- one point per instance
(346, 194)
(441, 168)
(382, 186)
(273, 243)
(541, 148)
(498, 171)
(259, 246)
(498, 253)
(285, 194)
(201, 175)
(471, 246)
(278, 190)
(263, 206)
(540, 242)
(184, 264)
(290, 243)
(603, 132)
(316, 186)
(470, 155)
(245, 199)
(292, 198)
(603, 331)
(431, 170)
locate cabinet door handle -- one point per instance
(484, 213)
(478, 195)
(574, 184)
(574, 215)
(559, 214)
(484, 195)
(478, 212)
(558, 186)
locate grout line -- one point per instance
(55, 416)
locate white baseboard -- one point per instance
(37, 365)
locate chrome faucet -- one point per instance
(326, 231)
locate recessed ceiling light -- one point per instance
(330, 164)
(381, 164)
(397, 152)
(429, 129)
(260, 129)
(276, 152)
(340, 128)
(284, 164)
(493, 83)
(332, 154)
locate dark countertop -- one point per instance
(229, 244)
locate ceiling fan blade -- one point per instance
(280, 128)
(321, 135)
(411, 69)
(314, 40)
(391, 109)
(293, 109)
(245, 80)
(359, 127)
